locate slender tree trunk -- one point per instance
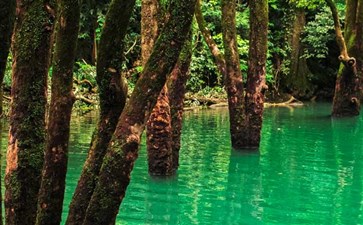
(233, 76)
(348, 85)
(256, 73)
(218, 56)
(25, 155)
(51, 194)
(88, 25)
(7, 14)
(177, 88)
(123, 149)
(113, 93)
(297, 81)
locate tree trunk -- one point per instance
(177, 88)
(256, 74)
(348, 85)
(25, 155)
(123, 149)
(233, 76)
(7, 14)
(88, 24)
(51, 194)
(218, 56)
(113, 93)
(297, 81)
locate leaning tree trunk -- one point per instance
(51, 194)
(233, 77)
(177, 87)
(256, 73)
(7, 14)
(123, 149)
(158, 130)
(348, 85)
(297, 80)
(212, 45)
(113, 93)
(25, 155)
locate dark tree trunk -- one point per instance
(7, 14)
(177, 88)
(25, 155)
(51, 194)
(348, 85)
(88, 24)
(233, 76)
(123, 149)
(256, 74)
(297, 81)
(113, 93)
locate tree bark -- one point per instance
(177, 87)
(348, 86)
(297, 82)
(113, 94)
(233, 76)
(31, 53)
(123, 148)
(7, 14)
(51, 194)
(256, 73)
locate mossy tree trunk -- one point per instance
(7, 14)
(297, 81)
(158, 130)
(256, 74)
(177, 87)
(123, 148)
(51, 194)
(113, 93)
(348, 88)
(25, 154)
(233, 77)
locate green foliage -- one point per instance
(7, 75)
(318, 33)
(85, 71)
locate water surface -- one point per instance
(309, 170)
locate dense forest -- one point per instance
(139, 64)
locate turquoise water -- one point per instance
(309, 170)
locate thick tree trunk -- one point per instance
(25, 155)
(7, 14)
(233, 76)
(348, 85)
(158, 130)
(297, 81)
(159, 137)
(218, 56)
(123, 149)
(113, 93)
(51, 194)
(177, 88)
(256, 73)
